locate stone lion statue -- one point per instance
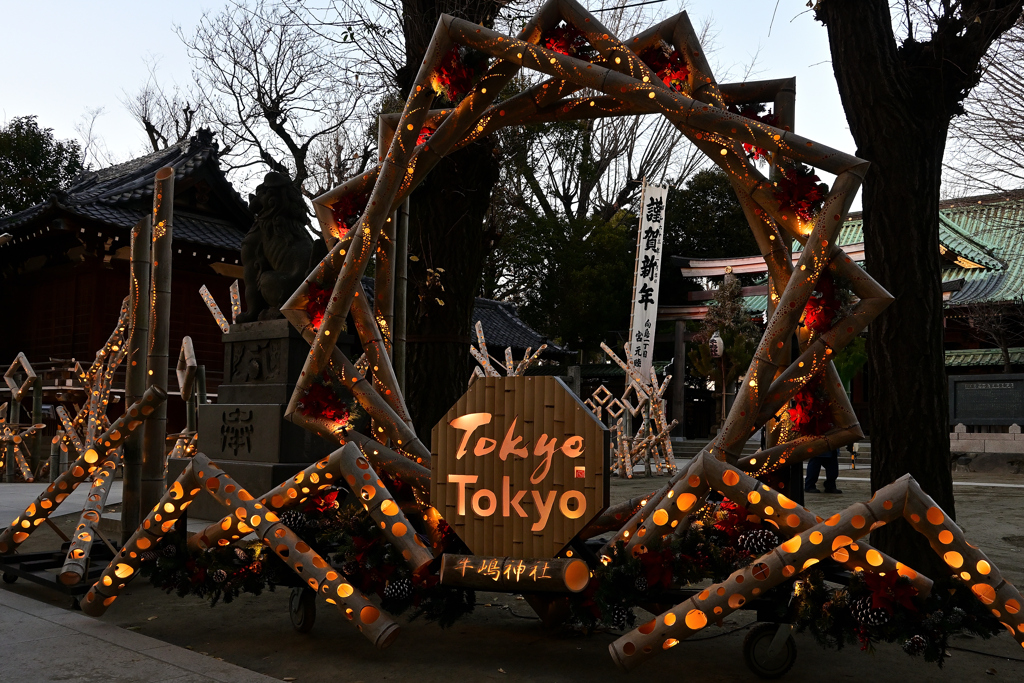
(276, 250)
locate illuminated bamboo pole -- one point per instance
(706, 473)
(295, 491)
(513, 575)
(77, 561)
(377, 500)
(87, 463)
(311, 568)
(836, 537)
(384, 459)
(341, 370)
(384, 283)
(70, 433)
(126, 564)
(377, 350)
(401, 294)
(157, 365)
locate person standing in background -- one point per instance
(828, 460)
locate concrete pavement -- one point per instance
(44, 643)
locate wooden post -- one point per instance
(37, 417)
(679, 386)
(154, 449)
(55, 463)
(401, 290)
(14, 417)
(135, 371)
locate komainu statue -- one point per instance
(276, 250)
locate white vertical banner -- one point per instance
(649, 240)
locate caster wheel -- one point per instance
(10, 577)
(302, 609)
(758, 655)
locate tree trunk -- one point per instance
(900, 132)
(446, 235)
(446, 231)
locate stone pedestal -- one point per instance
(245, 432)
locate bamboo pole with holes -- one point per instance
(88, 462)
(157, 364)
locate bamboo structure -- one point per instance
(77, 561)
(157, 365)
(86, 464)
(236, 303)
(621, 83)
(812, 540)
(218, 315)
(202, 475)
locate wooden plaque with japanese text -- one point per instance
(520, 466)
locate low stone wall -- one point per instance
(997, 453)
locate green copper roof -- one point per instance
(970, 358)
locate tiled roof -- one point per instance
(987, 231)
(969, 358)
(116, 194)
(503, 328)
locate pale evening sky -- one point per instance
(63, 57)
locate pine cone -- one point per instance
(169, 550)
(641, 584)
(400, 589)
(864, 613)
(294, 520)
(241, 555)
(256, 567)
(148, 556)
(219, 576)
(758, 542)
(619, 618)
(915, 645)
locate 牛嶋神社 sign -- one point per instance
(649, 240)
(519, 467)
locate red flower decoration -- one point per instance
(822, 307)
(808, 414)
(657, 568)
(322, 503)
(889, 591)
(755, 112)
(347, 210)
(320, 401)
(452, 78)
(316, 303)
(566, 40)
(798, 191)
(670, 67)
(424, 135)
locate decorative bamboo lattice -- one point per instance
(697, 106)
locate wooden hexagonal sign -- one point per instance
(519, 467)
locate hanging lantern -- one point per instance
(716, 345)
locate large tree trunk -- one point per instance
(903, 136)
(446, 235)
(446, 231)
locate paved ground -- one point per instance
(501, 639)
(45, 642)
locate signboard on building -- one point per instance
(986, 399)
(646, 278)
(519, 467)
